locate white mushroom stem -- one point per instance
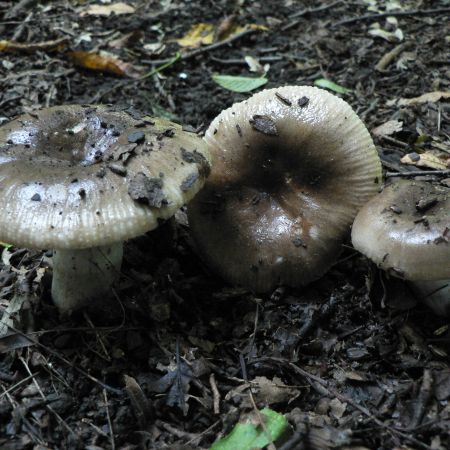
(80, 276)
(435, 293)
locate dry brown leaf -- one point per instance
(427, 159)
(104, 62)
(199, 34)
(388, 128)
(127, 40)
(45, 46)
(273, 391)
(206, 33)
(432, 97)
(264, 390)
(107, 10)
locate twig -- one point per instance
(48, 46)
(197, 438)
(418, 173)
(270, 445)
(307, 11)
(315, 380)
(48, 407)
(216, 394)
(108, 416)
(99, 338)
(66, 361)
(239, 61)
(162, 66)
(390, 56)
(16, 9)
(16, 385)
(208, 48)
(27, 426)
(414, 12)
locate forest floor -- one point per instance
(352, 360)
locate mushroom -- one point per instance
(82, 179)
(291, 167)
(405, 230)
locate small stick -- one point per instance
(16, 385)
(41, 393)
(316, 381)
(108, 416)
(66, 361)
(270, 446)
(216, 394)
(307, 11)
(418, 173)
(414, 12)
(390, 56)
(207, 48)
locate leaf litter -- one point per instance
(379, 360)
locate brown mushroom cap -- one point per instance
(291, 167)
(406, 230)
(83, 176)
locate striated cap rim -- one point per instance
(405, 230)
(79, 176)
(291, 168)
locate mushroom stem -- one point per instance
(79, 276)
(435, 293)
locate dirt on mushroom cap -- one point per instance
(291, 167)
(406, 230)
(69, 173)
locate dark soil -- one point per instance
(179, 354)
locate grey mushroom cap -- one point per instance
(405, 230)
(291, 167)
(83, 176)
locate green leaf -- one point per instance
(5, 245)
(327, 84)
(248, 436)
(239, 84)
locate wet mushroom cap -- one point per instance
(291, 167)
(406, 230)
(83, 176)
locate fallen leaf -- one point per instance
(142, 408)
(199, 34)
(206, 34)
(239, 84)
(327, 84)
(390, 36)
(431, 97)
(273, 391)
(177, 381)
(388, 128)
(107, 10)
(12, 313)
(405, 58)
(13, 341)
(45, 46)
(127, 40)
(253, 64)
(104, 62)
(249, 434)
(337, 408)
(427, 159)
